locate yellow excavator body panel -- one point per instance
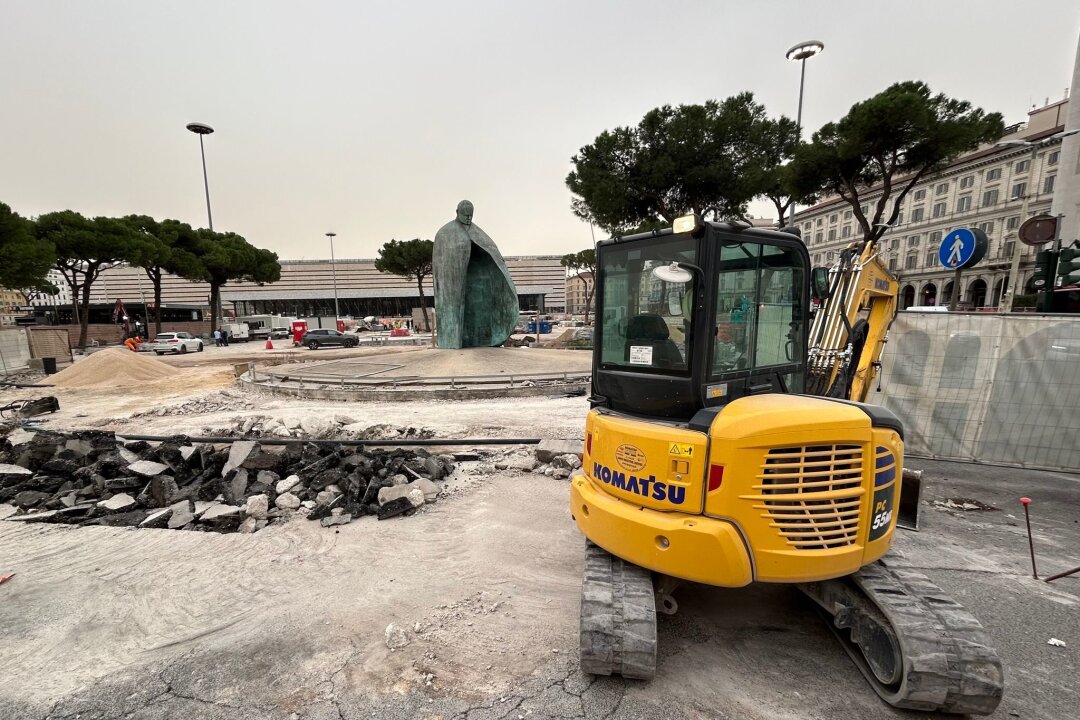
(782, 488)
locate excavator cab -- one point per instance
(706, 461)
(696, 319)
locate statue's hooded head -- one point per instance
(464, 212)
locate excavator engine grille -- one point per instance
(812, 494)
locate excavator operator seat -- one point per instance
(650, 330)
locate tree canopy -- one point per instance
(409, 259)
(163, 247)
(580, 263)
(26, 259)
(84, 248)
(709, 159)
(887, 144)
(218, 258)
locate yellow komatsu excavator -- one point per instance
(727, 444)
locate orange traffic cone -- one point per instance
(269, 344)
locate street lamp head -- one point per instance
(804, 50)
(200, 128)
(1064, 134)
(331, 234)
(1013, 143)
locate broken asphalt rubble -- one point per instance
(97, 478)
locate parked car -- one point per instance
(176, 342)
(314, 339)
(277, 333)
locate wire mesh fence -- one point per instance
(988, 388)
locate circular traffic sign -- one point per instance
(1038, 230)
(963, 248)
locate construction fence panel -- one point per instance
(987, 388)
(14, 350)
(51, 342)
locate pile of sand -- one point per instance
(115, 367)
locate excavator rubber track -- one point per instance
(918, 648)
(618, 617)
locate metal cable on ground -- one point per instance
(387, 443)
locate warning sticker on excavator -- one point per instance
(681, 449)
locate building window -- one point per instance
(1022, 166)
(909, 262)
(892, 264)
(828, 258)
(1052, 158)
(967, 181)
(845, 232)
(919, 195)
(832, 234)
(847, 214)
(939, 209)
(917, 215)
(990, 197)
(899, 218)
(807, 227)
(935, 238)
(963, 204)
(833, 218)
(1009, 249)
(1012, 223)
(994, 174)
(817, 259)
(819, 221)
(987, 227)
(941, 189)
(913, 241)
(1048, 184)
(931, 258)
(817, 238)
(895, 243)
(1019, 190)
(863, 209)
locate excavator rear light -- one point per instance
(716, 477)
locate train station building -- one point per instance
(306, 289)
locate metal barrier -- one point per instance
(998, 389)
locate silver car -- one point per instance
(177, 342)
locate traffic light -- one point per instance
(1043, 278)
(1068, 268)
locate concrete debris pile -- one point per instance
(96, 478)
(211, 403)
(558, 458)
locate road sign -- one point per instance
(962, 248)
(1038, 230)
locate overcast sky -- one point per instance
(374, 119)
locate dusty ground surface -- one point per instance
(289, 622)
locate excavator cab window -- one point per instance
(646, 318)
(760, 321)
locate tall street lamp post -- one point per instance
(1006, 302)
(201, 129)
(801, 52)
(333, 273)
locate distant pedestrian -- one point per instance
(217, 338)
(225, 337)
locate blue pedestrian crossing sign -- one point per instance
(962, 248)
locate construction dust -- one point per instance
(114, 367)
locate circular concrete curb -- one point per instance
(412, 394)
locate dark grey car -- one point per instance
(314, 339)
